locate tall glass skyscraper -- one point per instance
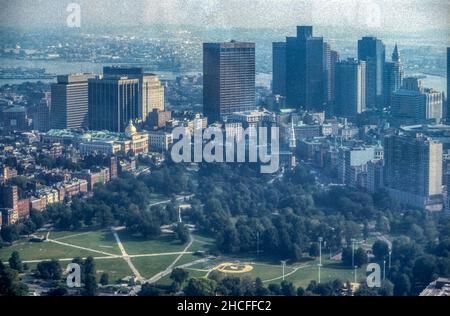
(305, 70)
(228, 79)
(69, 105)
(350, 88)
(393, 76)
(373, 52)
(113, 102)
(150, 89)
(279, 68)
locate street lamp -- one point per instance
(390, 255)
(283, 263)
(384, 270)
(320, 255)
(353, 251)
(356, 272)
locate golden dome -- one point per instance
(131, 129)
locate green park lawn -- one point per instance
(136, 245)
(117, 269)
(102, 240)
(150, 266)
(30, 251)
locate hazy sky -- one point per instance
(398, 15)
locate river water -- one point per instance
(60, 67)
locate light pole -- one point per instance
(356, 278)
(257, 243)
(390, 254)
(353, 252)
(320, 255)
(384, 270)
(283, 264)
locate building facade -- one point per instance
(69, 105)
(113, 102)
(413, 170)
(279, 68)
(350, 94)
(373, 52)
(228, 79)
(305, 70)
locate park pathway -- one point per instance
(169, 269)
(126, 257)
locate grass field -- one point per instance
(117, 269)
(98, 240)
(136, 245)
(265, 267)
(42, 251)
(150, 266)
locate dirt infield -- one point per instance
(234, 268)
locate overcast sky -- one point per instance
(395, 15)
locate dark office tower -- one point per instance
(113, 102)
(150, 88)
(279, 69)
(69, 107)
(448, 84)
(350, 88)
(228, 79)
(373, 52)
(393, 76)
(414, 104)
(305, 70)
(330, 58)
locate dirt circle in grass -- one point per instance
(234, 268)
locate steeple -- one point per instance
(396, 54)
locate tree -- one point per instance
(9, 233)
(59, 291)
(380, 249)
(402, 285)
(288, 289)
(200, 287)
(90, 281)
(49, 270)
(179, 276)
(314, 250)
(181, 233)
(275, 289)
(15, 262)
(425, 269)
(104, 279)
(10, 284)
(347, 256)
(360, 257)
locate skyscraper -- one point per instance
(69, 107)
(305, 70)
(330, 58)
(413, 170)
(41, 115)
(150, 89)
(448, 83)
(228, 79)
(373, 52)
(113, 101)
(393, 76)
(350, 88)
(279, 68)
(414, 104)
